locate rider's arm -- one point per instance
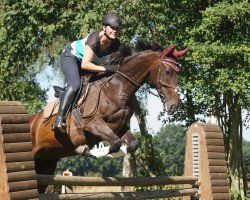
(86, 61)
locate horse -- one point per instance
(108, 108)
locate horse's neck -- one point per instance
(137, 68)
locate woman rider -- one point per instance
(87, 54)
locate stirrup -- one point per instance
(60, 126)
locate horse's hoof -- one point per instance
(84, 150)
(88, 154)
(132, 146)
(115, 146)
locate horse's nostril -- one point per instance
(162, 98)
(172, 109)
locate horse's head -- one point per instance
(164, 77)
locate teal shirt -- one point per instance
(93, 40)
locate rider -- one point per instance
(90, 54)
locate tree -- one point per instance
(82, 166)
(170, 143)
(246, 155)
(219, 45)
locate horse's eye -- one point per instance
(168, 72)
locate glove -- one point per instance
(111, 68)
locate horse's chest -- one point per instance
(124, 99)
(121, 117)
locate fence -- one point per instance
(205, 166)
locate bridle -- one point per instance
(160, 83)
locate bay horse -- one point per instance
(107, 109)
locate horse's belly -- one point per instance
(43, 136)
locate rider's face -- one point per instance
(112, 32)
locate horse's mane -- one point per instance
(139, 46)
(144, 45)
(127, 53)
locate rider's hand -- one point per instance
(111, 68)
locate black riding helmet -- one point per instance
(112, 19)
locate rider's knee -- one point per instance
(75, 87)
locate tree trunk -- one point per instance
(232, 125)
(129, 168)
(140, 116)
(129, 160)
(190, 108)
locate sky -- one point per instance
(48, 78)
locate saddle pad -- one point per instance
(51, 109)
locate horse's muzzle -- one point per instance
(171, 110)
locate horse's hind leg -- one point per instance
(45, 166)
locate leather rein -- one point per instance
(158, 86)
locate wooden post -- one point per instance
(138, 195)
(4, 187)
(114, 181)
(17, 175)
(205, 158)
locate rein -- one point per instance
(92, 113)
(158, 85)
(125, 76)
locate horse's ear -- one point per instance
(179, 54)
(168, 51)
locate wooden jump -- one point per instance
(205, 166)
(205, 158)
(17, 171)
(111, 181)
(123, 195)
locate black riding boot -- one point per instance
(66, 102)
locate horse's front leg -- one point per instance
(129, 139)
(100, 128)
